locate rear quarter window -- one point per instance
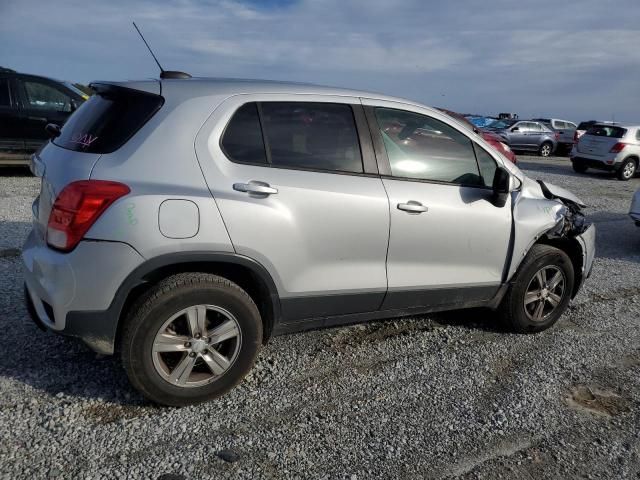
(108, 120)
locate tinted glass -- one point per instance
(584, 125)
(560, 125)
(242, 140)
(606, 131)
(42, 96)
(487, 165)
(424, 148)
(500, 124)
(320, 136)
(5, 99)
(107, 120)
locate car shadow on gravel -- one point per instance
(479, 319)
(15, 172)
(56, 365)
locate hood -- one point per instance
(553, 191)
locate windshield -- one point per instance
(500, 124)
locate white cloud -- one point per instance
(464, 53)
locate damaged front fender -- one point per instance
(544, 213)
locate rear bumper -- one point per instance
(597, 164)
(66, 291)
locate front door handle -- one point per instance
(412, 207)
(259, 188)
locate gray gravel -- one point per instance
(431, 397)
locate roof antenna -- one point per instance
(164, 74)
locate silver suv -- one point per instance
(184, 222)
(526, 136)
(609, 147)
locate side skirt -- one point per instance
(287, 327)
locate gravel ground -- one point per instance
(440, 396)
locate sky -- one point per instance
(572, 60)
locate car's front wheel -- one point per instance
(191, 338)
(540, 291)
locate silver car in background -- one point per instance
(183, 222)
(526, 135)
(565, 129)
(614, 148)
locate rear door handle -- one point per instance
(412, 207)
(260, 188)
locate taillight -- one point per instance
(557, 136)
(575, 137)
(618, 147)
(77, 207)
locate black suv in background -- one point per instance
(27, 104)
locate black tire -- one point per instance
(579, 167)
(167, 298)
(546, 149)
(512, 310)
(627, 170)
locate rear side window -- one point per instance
(421, 147)
(242, 140)
(5, 99)
(319, 136)
(606, 131)
(306, 135)
(107, 120)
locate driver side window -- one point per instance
(421, 147)
(41, 96)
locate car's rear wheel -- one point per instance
(579, 167)
(545, 149)
(540, 291)
(628, 169)
(192, 338)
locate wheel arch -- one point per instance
(244, 271)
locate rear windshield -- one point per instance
(107, 120)
(606, 131)
(584, 125)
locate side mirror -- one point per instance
(74, 105)
(515, 129)
(500, 187)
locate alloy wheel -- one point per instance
(545, 150)
(196, 346)
(544, 293)
(629, 169)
